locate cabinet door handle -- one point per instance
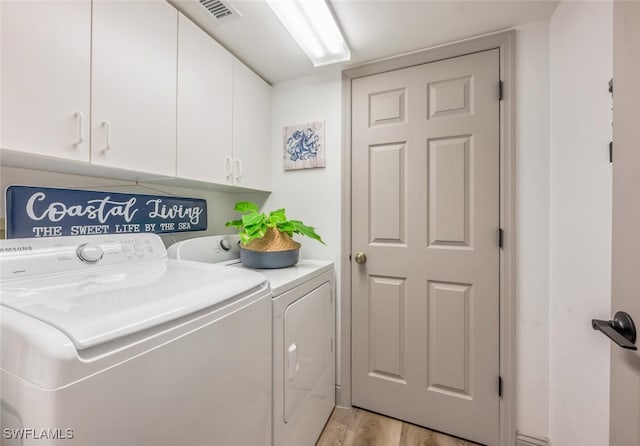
(80, 139)
(107, 135)
(238, 169)
(228, 169)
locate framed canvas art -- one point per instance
(304, 146)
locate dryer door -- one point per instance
(307, 341)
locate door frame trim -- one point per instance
(505, 42)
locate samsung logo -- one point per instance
(16, 249)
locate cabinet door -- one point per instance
(133, 121)
(251, 129)
(205, 79)
(45, 69)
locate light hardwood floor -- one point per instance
(357, 427)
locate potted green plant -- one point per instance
(266, 239)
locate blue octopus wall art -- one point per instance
(303, 145)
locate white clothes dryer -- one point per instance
(303, 337)
(106, 341)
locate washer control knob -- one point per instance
(225, 244)
(89, 252)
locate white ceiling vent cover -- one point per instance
(221, 10)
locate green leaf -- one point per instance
(252, 219)
(252, 229)
(245, 237)
(261, 232)
(245, 206)
(308, 231)
(276, 217)
(286, 226)
(234, 223)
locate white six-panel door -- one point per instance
(425, 320)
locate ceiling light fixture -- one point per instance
(313, 27)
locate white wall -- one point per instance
(532, 122)
(219, 204)
(581, 51)
(311, 195)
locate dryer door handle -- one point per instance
(292, 359)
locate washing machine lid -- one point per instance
(101, 305)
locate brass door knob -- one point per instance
(361, 258)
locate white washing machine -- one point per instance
(303, 337)
(106, 341)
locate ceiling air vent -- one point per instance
(221, 10)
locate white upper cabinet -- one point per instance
(251, 129)
(130, 85)
(45, 69)
(133, 110)
(205, 81)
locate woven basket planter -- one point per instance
(275, 250)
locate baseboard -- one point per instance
(530, 440)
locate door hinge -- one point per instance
(611, 152)
(500, 237)
(500, 90)
(499, 385)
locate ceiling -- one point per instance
(374, 29)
